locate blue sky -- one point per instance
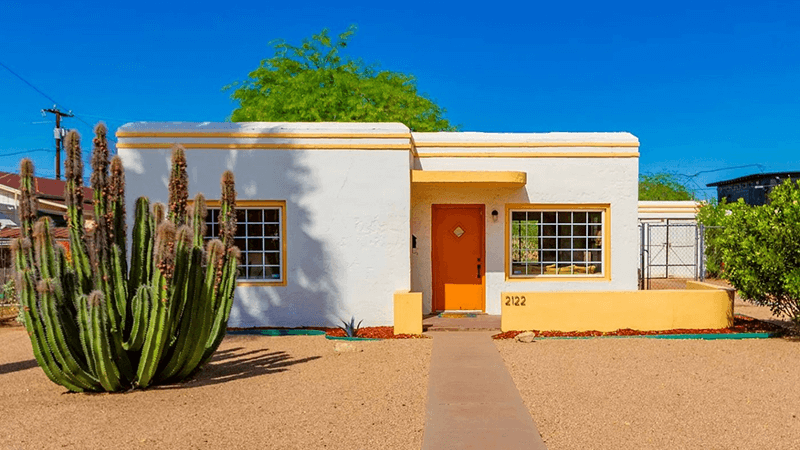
(703, 85)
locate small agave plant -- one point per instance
(351, 329)
(101, 322)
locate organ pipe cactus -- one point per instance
(98, 323)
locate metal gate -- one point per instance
(670, 254)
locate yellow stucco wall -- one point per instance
(699, 306)
(407, 312)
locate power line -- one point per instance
(760, 168)
(56, 104)
(28, 83)
(24, 152)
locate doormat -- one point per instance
(457, 315)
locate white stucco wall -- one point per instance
(347, 214)
(552, 180)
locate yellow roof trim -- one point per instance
(527, 154)
(524, 144)
(264, 146)
(499, 179)
(239, 135)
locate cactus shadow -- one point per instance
(312, 291)
(235, 364)
(18, 366)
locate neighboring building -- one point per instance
(336, 218)
(754, 189)
(8, 234)
(50, 194)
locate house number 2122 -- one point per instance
(516, 300)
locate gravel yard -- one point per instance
(258, 392)
(658, 394)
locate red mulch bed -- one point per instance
(374, 333)
(741, 324)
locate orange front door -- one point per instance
(457, 233)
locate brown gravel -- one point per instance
(658, 394)
(258, 392)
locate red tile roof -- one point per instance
(59, 233)
(47, 188)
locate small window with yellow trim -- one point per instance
(557, 242)
(260, 235)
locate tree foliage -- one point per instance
(314, 82)
(759, 248)
(663, 186)
(711, 215)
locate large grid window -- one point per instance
(556, 243)
(259, 236)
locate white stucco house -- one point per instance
(338, 217)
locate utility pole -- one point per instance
(59, 134)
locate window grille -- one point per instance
(557, 243)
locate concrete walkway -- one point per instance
(472, 400)
(482, 322)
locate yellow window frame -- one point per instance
(605, 209)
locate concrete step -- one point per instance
(476, 322)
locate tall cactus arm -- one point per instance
(73, 194)
(44, 245)
(179, 284)
(119, 283)
(178, 186)
(100, 183)
(85, 330)
(227, 211)
(199, 212)
(224, 301)
(73, 188)
(141, 246)
(156, 334)
(193, 328)
(27, 200)
(36, 330)
(142, 305)
(107, 371)
(159, 213)
(116, 203)
(57, 339)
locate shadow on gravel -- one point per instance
(18, 366)
(232, 364)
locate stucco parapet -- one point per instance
(263, 127)
(688, 206)
(621, 138)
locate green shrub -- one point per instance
(711, 215)
(759, 247)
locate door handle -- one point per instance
(479, 270)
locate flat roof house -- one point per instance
(754, 189)
(337, 219)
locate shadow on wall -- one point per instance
(311, 296)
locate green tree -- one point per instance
(711, 215)
(313, 82)
(663, 186)
(759, 248)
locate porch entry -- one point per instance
(457, 257)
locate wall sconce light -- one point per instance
(495, 215)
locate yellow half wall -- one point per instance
(700, 306)
(407, 312)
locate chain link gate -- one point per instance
(670, 254)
